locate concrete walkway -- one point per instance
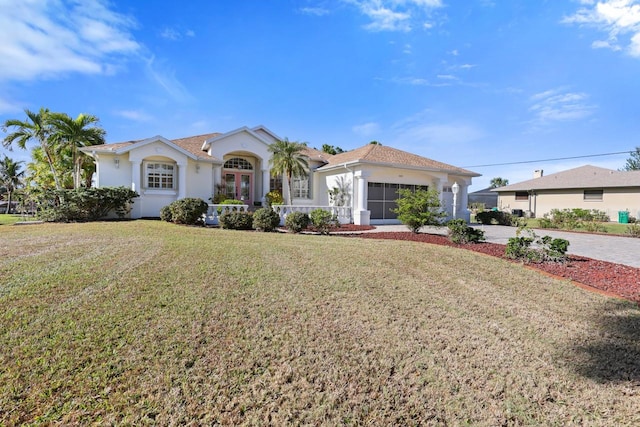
(621, 250)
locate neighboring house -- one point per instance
(237, 162)
(586, 187)
(486, 196)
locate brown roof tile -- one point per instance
(374, 153)
(582, 177)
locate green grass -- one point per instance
(609, 227)
(9, 219)
(146, 322)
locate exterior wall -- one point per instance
(543, 201)
(110, 174)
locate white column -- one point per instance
(135, 176)
(136, 208)
(362, 216)
(266, 180)
(464, 202)
(182, 180)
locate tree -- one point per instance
(287, 160)
(375, 143)
(37, 127)
(498, 182)
(330, 149)
(419, 208)
(10, 177)
(71, 134)
(633, 162)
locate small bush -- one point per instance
(461, 233)
(189, 211)
(229, 202)
(633, 229)
(495, 217)
(236, 220)
(265, 219)
(297, 221)
(546, 249)
(323, 221)
(545, 222)
(594, 227)
(419, 208)
(218, 198)
(274, 198)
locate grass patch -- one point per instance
(9, 219)
(147, 322)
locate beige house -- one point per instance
(585, 187)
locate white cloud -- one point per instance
(9, 107)
(619, 18)
(315, 11)
(135, 115)
(45, 39)
(395, 15)
(558, 106)
(366, 129)
(165, 77)
(175, 34)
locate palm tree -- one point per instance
(71, 134)
(10, 177)
(498, 182)
(37, 127)
(287, 160)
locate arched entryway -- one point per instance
(238, 178)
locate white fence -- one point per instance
(342, 212)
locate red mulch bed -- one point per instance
(607, 277)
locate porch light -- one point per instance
(455, 188)
(116, 161)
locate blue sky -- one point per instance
(467, 82)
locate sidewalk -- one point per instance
(620, 250)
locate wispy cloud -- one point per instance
(557, 105)
(7, 106)
(314, 11)
(620, 19)
(165, 77)
(46, 39)
(175, 34)
(396, 15)
(134, 115)
(366, 129)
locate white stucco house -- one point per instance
(237, 162)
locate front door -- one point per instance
(238, 186)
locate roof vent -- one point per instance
(538, 173)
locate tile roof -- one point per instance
(383, 155)
(316, 155)
(192, 144)
(582, 177)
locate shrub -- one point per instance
(274, 198)
(323, 221)
(189, 211)
(633, 229)
(461, 233)
(594, 227)
(84, 204)
(236, 220)
(218, 198)
(571, 219)
(495, 217)
(265, 219)
(546, 249)
(297, 221)
(419, 208)
(545, 222)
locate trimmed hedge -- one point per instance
(297, 221)
(265, 219)
(236, 220)
(189, 211)
(84, 204)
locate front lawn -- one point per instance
(146, 322)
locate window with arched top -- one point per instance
(238, 163)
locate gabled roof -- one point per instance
(582, 177)
(190, 146)
(388, 156)
(253, 131)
